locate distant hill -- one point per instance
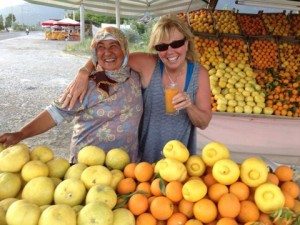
(31, 14)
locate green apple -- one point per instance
(232, 103)
(268, 110)
(241, 103)
(221, 107)
(238, 109)
(229, 96)
(230, 109)
(257, 110)
(247, 109)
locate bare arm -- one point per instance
(200, 112)
(40, 124)
(78, 87)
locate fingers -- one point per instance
(182, 101)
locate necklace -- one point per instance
(169, 77)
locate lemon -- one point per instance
(175, 149)
(269, 197)
(195, 166)
(123, 217)
(42, 153)
(226, 171)
(117, 158)
(91, 155)
(172, 169)
(194, 190)
(254, 172)
(214, 151)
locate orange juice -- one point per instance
(170, 92)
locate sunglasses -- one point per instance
(173, 44)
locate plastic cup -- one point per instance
(170, 91)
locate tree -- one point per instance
(9, 20)
(1, 23)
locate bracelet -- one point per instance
(84, 69)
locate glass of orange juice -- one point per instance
(170, 91)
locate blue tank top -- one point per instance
(156, 127)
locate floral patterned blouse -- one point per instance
(106, 122)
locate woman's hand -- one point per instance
(9, 139)
(76, 90)
(181, 101)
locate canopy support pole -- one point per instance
(82, 23)
(118, 13)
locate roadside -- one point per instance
(33, 72)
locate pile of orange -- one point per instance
(154, 201)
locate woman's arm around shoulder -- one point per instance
(200, 112)
(144, 64)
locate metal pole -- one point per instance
(118, 13)
(82, 23)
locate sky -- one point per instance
(10, 3)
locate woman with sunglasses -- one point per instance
(174, 62)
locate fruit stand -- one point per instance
(253, 62)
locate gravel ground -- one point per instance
(33, 72)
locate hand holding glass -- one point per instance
(170, 91)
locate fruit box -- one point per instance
(251, 24)
(263, 52)
(234, 44)
(232, 27)
(289, 51)
(201, 21)
(277, 24)
(294, 20)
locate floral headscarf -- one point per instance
(117, 76)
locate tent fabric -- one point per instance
(48, 23)
(128, 8)
(67, 22)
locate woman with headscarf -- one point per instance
(110, 112)
(173, 62)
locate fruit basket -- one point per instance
(263, 52)
(295, 24)
(277, 24)
(201, 21)
(234, 48)
(226, 22)
(251, 24)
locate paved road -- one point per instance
(33, 72)
(8, 35)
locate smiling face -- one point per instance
(110, 55)
(173, 57)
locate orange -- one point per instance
(174, 191)
(249, 212)
(129, 170)
(177, 219)
(145, 219)
(155, 187)
(272, 178)
(289, 200)
(138, 204)
(145, 188)
(240, 189)
(161, 208)
(126, 186)
(143, 171)
(226, 221)
(229, 205)
(205, 210)
(291, 188)
(265, 219)
(284, 173)
(186, 207)
(193, 222)
(209, 180)
(216, 190)
(161, 222)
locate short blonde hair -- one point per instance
(162, 29)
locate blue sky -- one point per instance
(8, 3)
